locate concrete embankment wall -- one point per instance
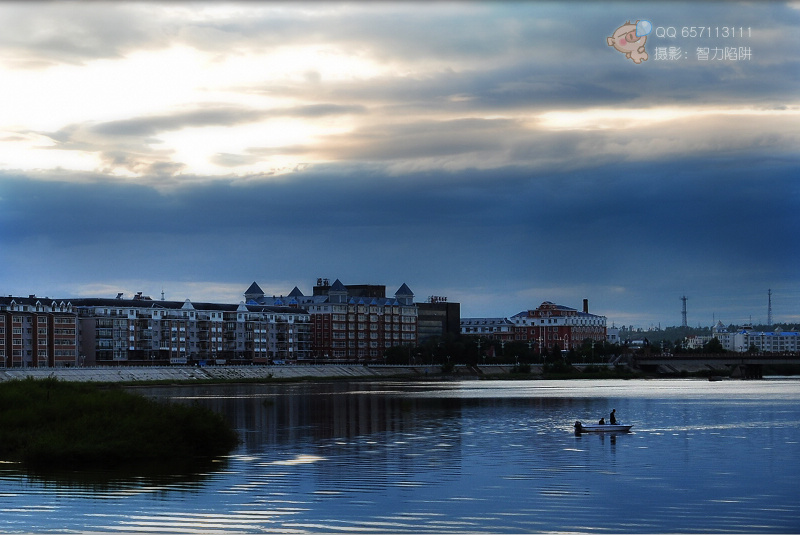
(185, 373)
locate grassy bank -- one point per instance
(50, 423)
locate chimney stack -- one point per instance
(585, 306)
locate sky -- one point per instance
(498, 154)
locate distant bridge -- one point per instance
(748, 365)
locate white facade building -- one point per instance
(742, 340)
(144, 331)
(612, 335)
(495, 328)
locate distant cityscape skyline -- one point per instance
(754, 319)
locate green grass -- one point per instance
(50, 423)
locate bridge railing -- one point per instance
(730, 355)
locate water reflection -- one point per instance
(314, 412)
(110, 482)
(155, 481)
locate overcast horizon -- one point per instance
(501, 154)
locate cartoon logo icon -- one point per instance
(630, 39)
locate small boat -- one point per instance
(601, 428)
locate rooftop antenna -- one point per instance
(683, 314)
(769, 308)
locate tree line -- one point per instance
(472, 350)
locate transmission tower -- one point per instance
(683, 314)
(769, 308)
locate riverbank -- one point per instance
(148, 374)
(189, 374)
(134, 374)
(49, 423)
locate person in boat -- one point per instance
(613, 418)
(602, 421)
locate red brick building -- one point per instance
(353, 323)
(551, 324)
(37, 332)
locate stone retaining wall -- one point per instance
(186, 373)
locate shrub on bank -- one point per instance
(49, 423)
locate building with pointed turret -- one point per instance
(354, 323)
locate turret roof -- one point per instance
(404, 290)
(296, 292)
(337, 286)
(254, 289)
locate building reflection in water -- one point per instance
(355, 436)
(298, 413)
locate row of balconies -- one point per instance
(106, 332)
(360, 345)
(372, 309)
(145, 339)
(367, 326)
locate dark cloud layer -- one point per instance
(695, 227)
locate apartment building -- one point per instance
(354, 323)
(144, 331)
(745, 338)
(37, 332)
(777, 341)
(492, 328)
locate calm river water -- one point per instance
(468, 456)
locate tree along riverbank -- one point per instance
(50, 424)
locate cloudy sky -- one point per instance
(499, 154)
